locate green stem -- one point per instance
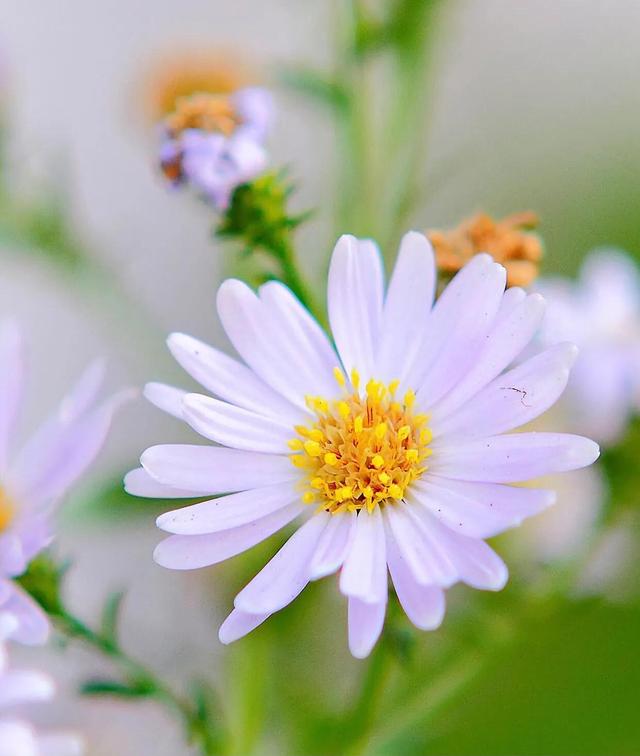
(293, 278)
(407, 130)
(355, 185)
(458, 672)
(364, 714)
(150, 685)
(427, 702)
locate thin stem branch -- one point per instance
(145, 680)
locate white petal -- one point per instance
(514, 327)
(440, 319)
(183, 552)
(365, 625)
(407, 305)
(333, 545)
(229, 511)
(17, 739)
(35, 532)
(84, 393)
(11, 380)
(513, 399)
(600, 394)
(167, 398)
(611, 287)
(423, 604)
(69, 412)
(238, 624)
(480, 566)
(303, 334)
(230, 379)
(354, 298)
(68, 454)
(425, 556)
(479, 510)
(272, 350)
(138, 482)
(474, 562)
(60, 744)
(236, 427)
(24, 686)
(32, 623)
(286, 575)
(512, 297)
(12, 558)
(513, 458)
(364, 573)
(465, 317)
(214, 469)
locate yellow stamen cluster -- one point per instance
(203, 111)
(362, 450)
(6, 510)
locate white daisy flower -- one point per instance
(392, 448)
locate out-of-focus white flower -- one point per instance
(215, 142)
(395, 449)
(601, 314)
(34, 480)
(17, 736)
(562, 531)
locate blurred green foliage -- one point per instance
(568, 684)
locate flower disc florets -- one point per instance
(204, 111)
(363, 449)
(6, 510)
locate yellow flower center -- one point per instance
(208, 112)
(6, 510)
(361, 451)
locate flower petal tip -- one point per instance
(161, 556)
(585, 452)
(500, 580)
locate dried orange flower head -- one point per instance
(509, 241)
(197, 73)
(215, 113)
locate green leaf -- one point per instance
(316, 86)
(135, 689)
(43, 580)
(205, 726)
(110, 615)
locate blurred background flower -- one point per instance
(215, 142)
(601, 314)
(19, 687)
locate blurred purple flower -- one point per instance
(216, 142)
(33, 481)
(17, 736)
(601, 314)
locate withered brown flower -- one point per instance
(509, 241)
